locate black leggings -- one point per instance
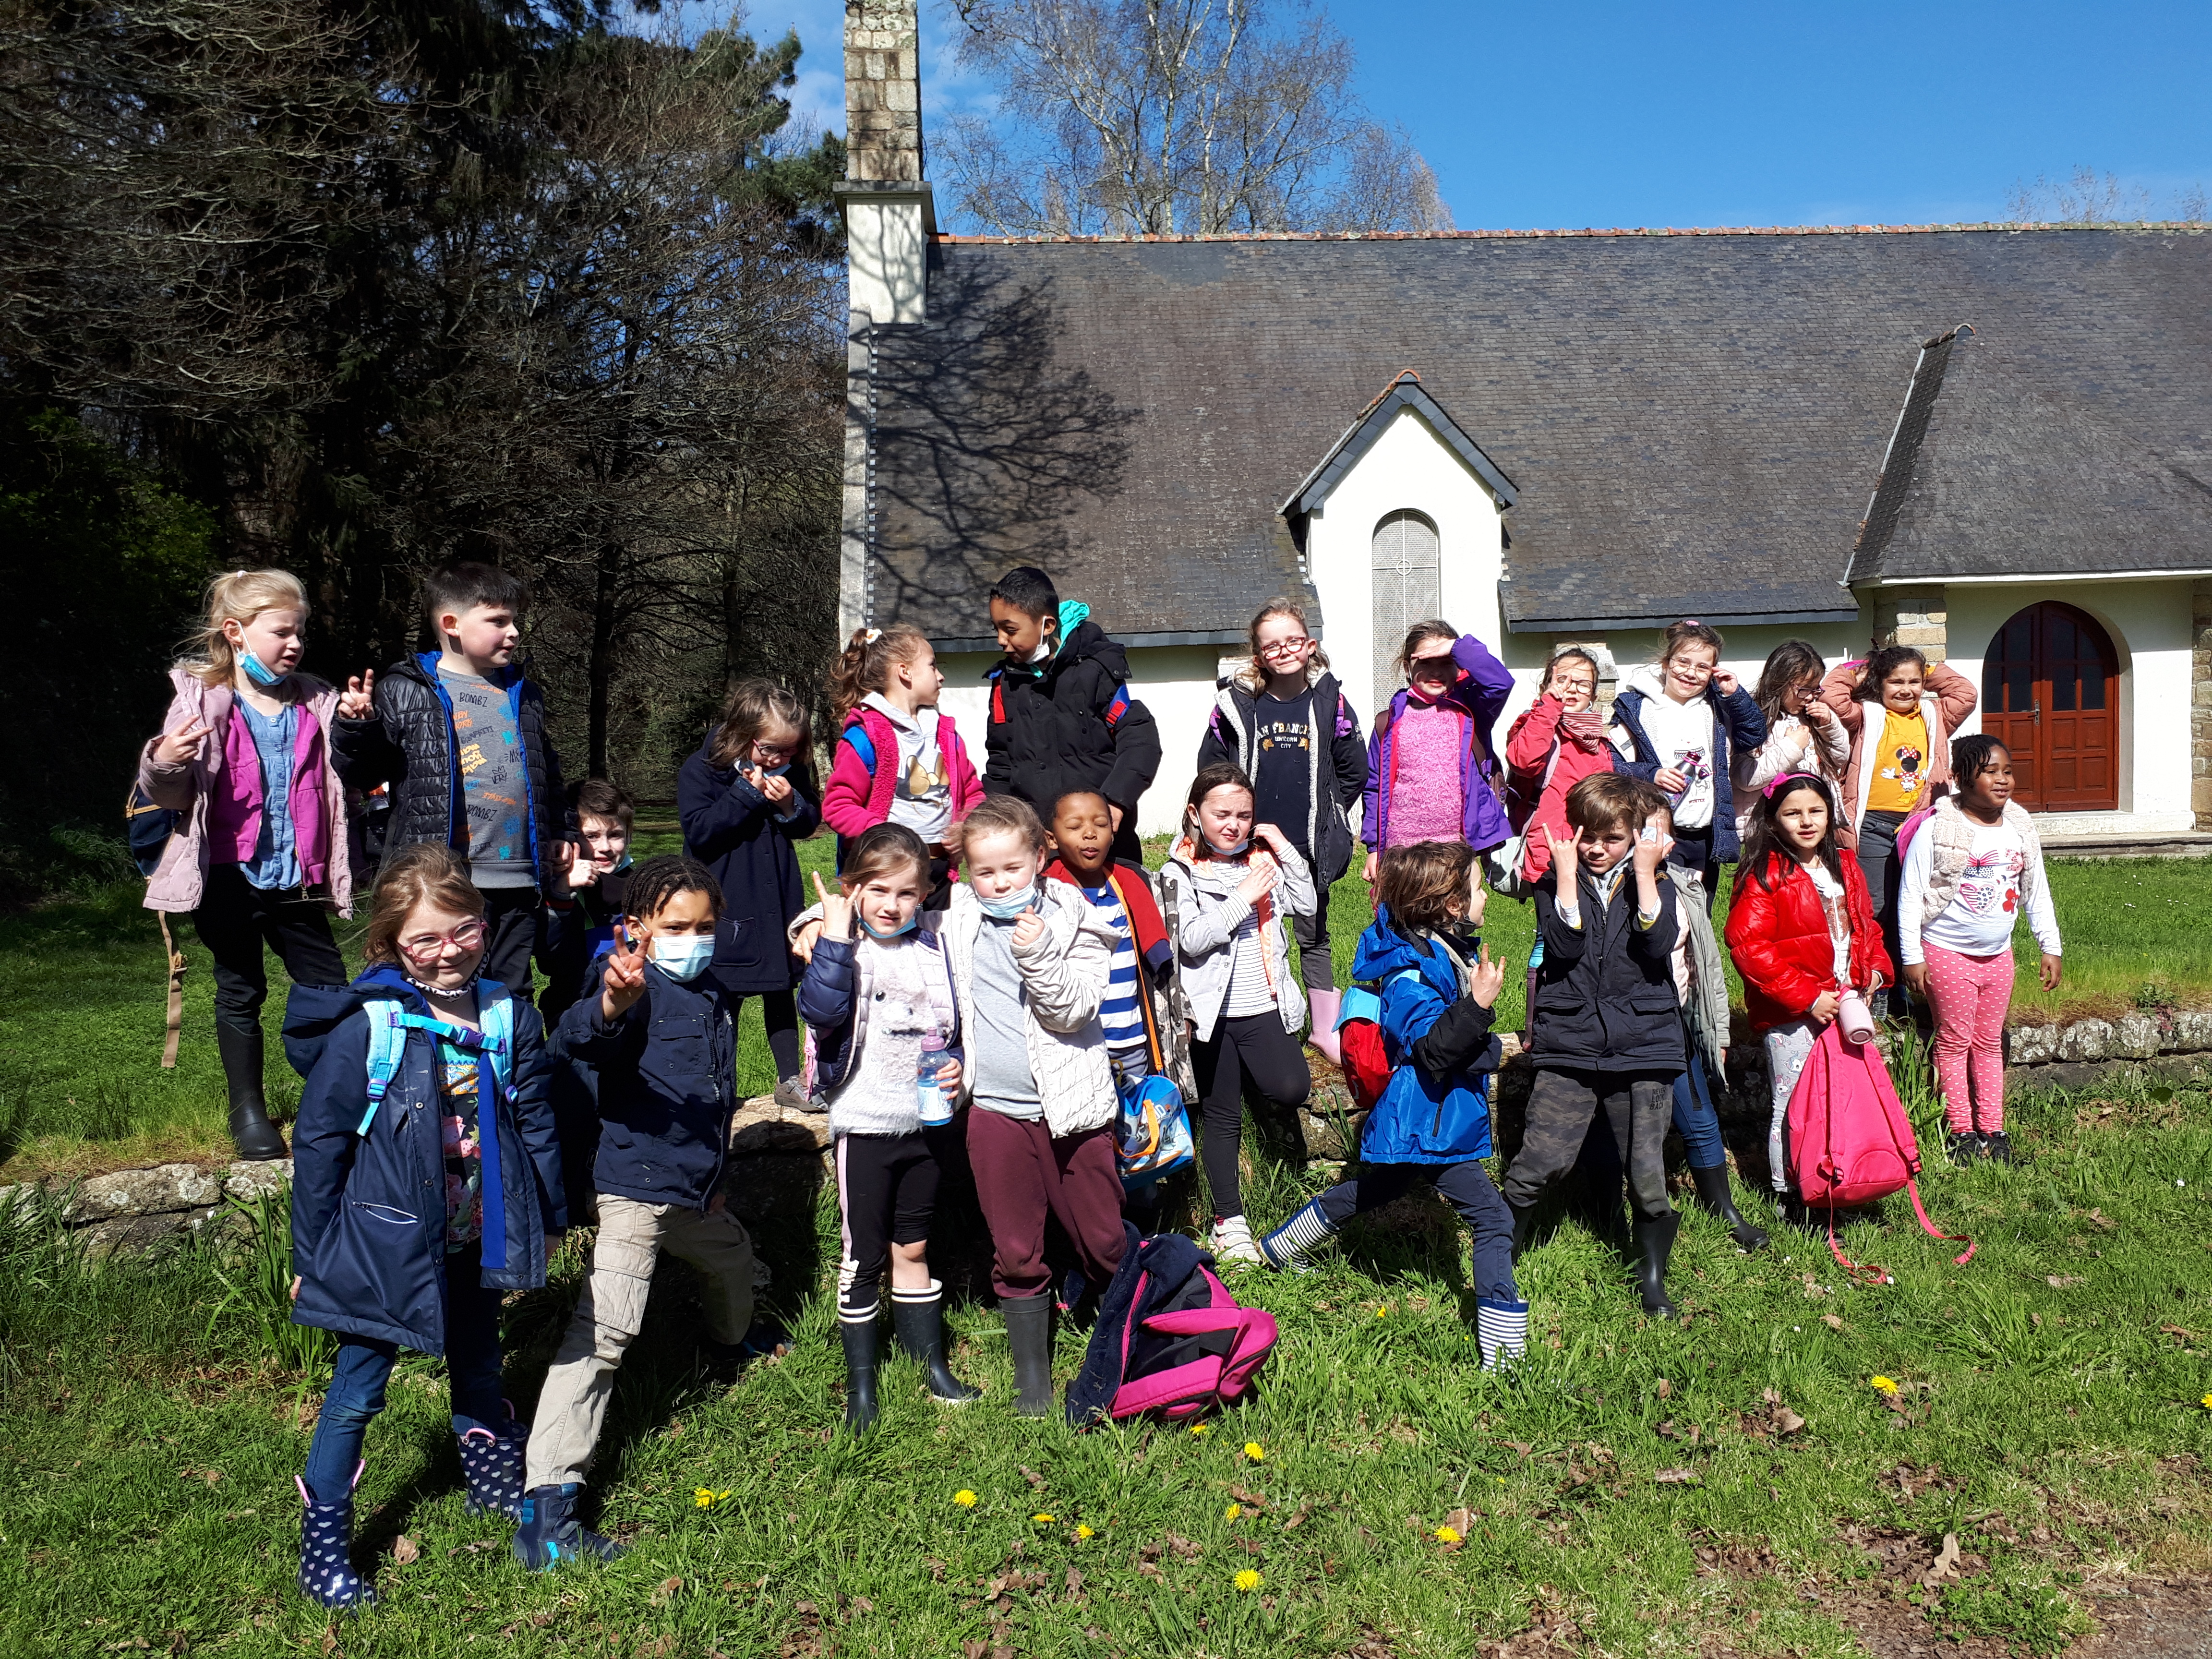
(1252, 1049)
(886, 1195)
(236, 919)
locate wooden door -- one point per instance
(2051, 694)
(1409, 588)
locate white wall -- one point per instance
(2150, 627)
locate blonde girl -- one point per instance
(896, 759)
(250, 757)
(1284, 720)
(743, 798)
(1232, 879)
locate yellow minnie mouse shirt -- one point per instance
(1900, 763)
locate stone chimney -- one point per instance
(889, 212)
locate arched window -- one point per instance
(2051, 694)
(1408, 580)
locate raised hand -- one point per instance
(580, 874)
(1269, 835)
(1028, 928)
(1724, 682)
(776, 791)
(174, 747)
(836, 912)
(1818, 713)
(623, 982)
(1651, 844)
(1566, 857)
(1486, 979)
(356, 701)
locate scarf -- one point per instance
(1129, 886)
(1584, 729)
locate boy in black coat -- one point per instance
(1606, 1029)
(1062, 719)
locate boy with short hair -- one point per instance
(1606, 1029)
(1062, 717)
(581, 913)
(458, 733)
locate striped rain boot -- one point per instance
(1501, 1330)
(1285, 1248)
(326, 1574)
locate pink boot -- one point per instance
(1323, 1006)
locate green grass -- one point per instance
(149, 1431)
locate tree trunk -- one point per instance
(600, 669)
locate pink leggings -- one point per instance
(1971, 995)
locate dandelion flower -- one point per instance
(1082, 1531)
(965, 1498)
(1042, 1520)
(1232, 1511)
(1247, 1580)
(703, 1497)
(1447, 1534)
(1882, 1384)
(2206, 1402)
(1254, 1450)
(1199, 1429)
(1382, 1312)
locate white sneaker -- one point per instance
(1231, 1241)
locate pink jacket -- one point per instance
(1536, 786)
(857, 799)
(188, 787)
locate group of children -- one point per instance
(996, 970)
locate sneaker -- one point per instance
(1967, 1149)
(1231, 1240)
(792, 1098)
(1997, 1146)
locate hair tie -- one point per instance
(1775, 788)
(1690, 621)
(871, 636)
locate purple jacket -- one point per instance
(1481, 697)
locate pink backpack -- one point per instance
(1170, 1339)
(1849, 1140)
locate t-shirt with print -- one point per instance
(1282, 782)
(458, 1084)
(495, 782)
(921, 792)
(1899, 759)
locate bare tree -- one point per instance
(2085, 196)
(1149, 117)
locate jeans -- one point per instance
(364, 1366)
(1696, 1119)
(1881, 866)
(236, 919)
(1466, 1187)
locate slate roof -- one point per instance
(1988, 475)
(1693, 423)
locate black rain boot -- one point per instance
(1656, 1235)
(251, 1131)
(1524, 1223)
(1029, 1334)
(551, 1534)
(917, 1322)
(862, 1353)
(1714, 1193)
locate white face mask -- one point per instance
(682, 956)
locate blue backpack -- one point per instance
(389, 1023)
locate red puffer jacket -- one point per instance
(1779, 939)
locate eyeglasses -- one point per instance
(1568, 683)
(429, 947)
(768, 754)
(1285, 648)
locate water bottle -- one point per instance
(930, 1102)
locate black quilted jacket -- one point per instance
(409, 745)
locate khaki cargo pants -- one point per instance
(574, 1403)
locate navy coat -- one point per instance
(729, 827)
(1736, 719)
(1605, 996)
(666, 1076)
(368, 1212)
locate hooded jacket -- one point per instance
(369, 1211)
(1435, 1107)
(1541, 766)
(1336, 763)
(187, 787)
(408, 743)
(1780, 942)
(1736, 720)
(1481, 694)
(666, 1076)
(1946, 697)
(1605, 995)
(1210, 910)
(729, 827)
(1070, 723)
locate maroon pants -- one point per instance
(1022, 1176)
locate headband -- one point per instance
(1788, 781)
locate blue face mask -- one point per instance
(682, 957)
(907, 926)
(1236, 852)
(257, 671)
(1006, 908)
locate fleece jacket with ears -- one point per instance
(1946, 697)
(408, 745)
(1479, 694)
(857, 796)
(1737, 724)
(324, 762)
(368, 1210)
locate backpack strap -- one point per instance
(173, 1029)
(856, 734)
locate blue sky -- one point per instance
(1589, 114)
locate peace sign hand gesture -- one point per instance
(836, 911)
(174, 748)
(624, 979)
(357, 701)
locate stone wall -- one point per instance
(1914, 617)
(882, 91)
